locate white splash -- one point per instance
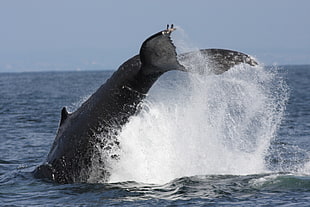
(306, 169)
(202, 125)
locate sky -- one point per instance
(39, 35)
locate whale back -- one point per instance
(96, 123)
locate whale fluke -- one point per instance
(158, 55)
(217, 61)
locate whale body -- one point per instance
(111, 106)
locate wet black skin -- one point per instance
(111, 106)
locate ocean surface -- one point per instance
(238, 139)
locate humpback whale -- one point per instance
(111, 106)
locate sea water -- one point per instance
(240, 138)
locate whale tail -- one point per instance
(158, 53)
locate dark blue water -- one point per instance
(30, 105)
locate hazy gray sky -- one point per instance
(71, 34)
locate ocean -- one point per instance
(236, 139)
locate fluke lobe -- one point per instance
(98, 121)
